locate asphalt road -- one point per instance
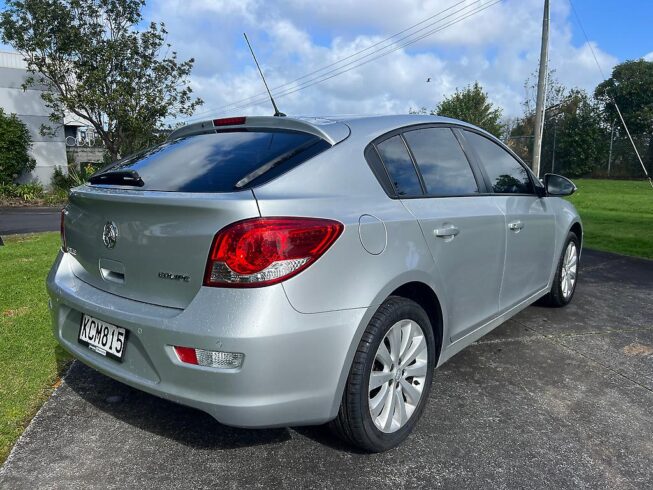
(554, 398)
(14, 220)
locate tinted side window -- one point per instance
(507, 176)
(219, 161)
(400, 167)
(444, 166)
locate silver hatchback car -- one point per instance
(277, 271)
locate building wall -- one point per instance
(48, 151)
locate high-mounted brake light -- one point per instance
(62, 230)
(229, 121)
(262, 251)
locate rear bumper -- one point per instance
(294, 366)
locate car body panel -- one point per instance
(459, 258)
(529, 250)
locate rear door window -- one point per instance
(441, 161)
(398, 163)
(507, 175)
(221, 161)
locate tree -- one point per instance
(631, 87)
(15, 143)
(582, 140)
(472, 105)
(101, 65)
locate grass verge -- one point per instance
(30, 359)
(617, 215)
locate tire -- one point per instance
(355, 423)
(560, 295)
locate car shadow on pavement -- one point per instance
(167, 419)
(184, 425)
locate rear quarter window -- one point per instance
(221, 161)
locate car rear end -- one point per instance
(170, 280)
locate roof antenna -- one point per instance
(276, 109)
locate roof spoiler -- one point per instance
(327, 129)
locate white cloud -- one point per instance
(499, 47)
(649, 57)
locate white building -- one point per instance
(49, 152)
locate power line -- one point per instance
(255, 100)
(246, 99)
(621, 117)
(341, 69)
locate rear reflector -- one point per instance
(229, 121)
(210, 358)
(262, 251)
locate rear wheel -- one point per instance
(564, 282)
(390, 378)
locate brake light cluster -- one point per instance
(262, 251)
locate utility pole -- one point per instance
(541, 92)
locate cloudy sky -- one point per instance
(498, 46)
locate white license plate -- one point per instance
(102, 337)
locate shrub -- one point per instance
(26, 192)
(29, 192)
(75, 177)
(15, 143)
(60, 181)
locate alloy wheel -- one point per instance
(398, 376)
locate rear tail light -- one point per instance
(210, 358)
(62, 230)
(262, 251)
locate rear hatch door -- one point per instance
(143, 227)
(148, 246)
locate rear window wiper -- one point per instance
(118, 177)
(274, 162)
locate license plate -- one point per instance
(102, 337)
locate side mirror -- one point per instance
(557, 185)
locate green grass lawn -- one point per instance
(617, 215)
(30, 359)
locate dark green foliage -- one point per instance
(581, 139)
(15, 143)
(75, 177)
(472, 105)
(102, 65)
(631, 87)
(25, 192)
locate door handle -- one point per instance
(446, 232)
(516, 226)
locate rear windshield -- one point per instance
(220, 161)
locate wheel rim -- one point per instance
(569, 270)
(398, 376)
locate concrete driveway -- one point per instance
(553, 398)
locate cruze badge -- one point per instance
(110, 234)
(174, 277)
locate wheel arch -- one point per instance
(577, 228)
(423, 295)
(410, 287)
